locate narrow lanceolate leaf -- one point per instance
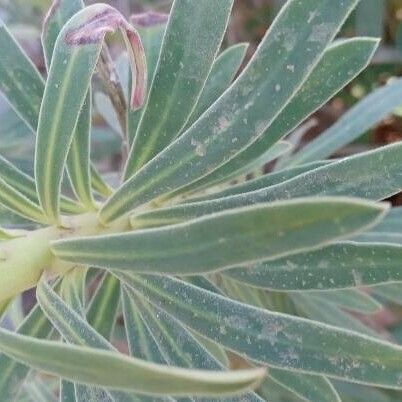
(373, 175)
(78, 162)
(177, 345)
(26, 186)
(192, 39)
(102, 311)
(99, 185)
(117, 371)
(278, 339)
(343, 265)
(75, 55)
(20, 81)
(13, 373)
(222, 74)
(226, 240)
(215, 138)
(141, 343)
(70, 323)
(307, 387)
(19, 204)
(368, 112)
(342, 61)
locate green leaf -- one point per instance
(215, 138)
(307, 387)
(343, 265)
(350, 299)
(274, 152)
(20, 81)
(361, 117)
(19, 204)
(222, 74)
(140, 340)
(176, 344)
(70, 323)
(99, 184)
(371, 175)
(67, 391)
(320, 310)
(192, 39)
(75, 55)
(102, 311)
(268, 180)
(117, 371)
(78, 162)
(26, 186)
(342, 61)
(277, 339)
(13, 373)
(224, 240)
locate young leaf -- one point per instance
(192, 39)
(343, 265)
(224, 240)
(76, 53)
(364, 115)
(277, 339)
(215, 138)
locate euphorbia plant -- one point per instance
(203, 264)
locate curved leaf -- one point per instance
(113, 370)
(78, 162)
(76, 53)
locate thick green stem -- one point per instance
(24, 259)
